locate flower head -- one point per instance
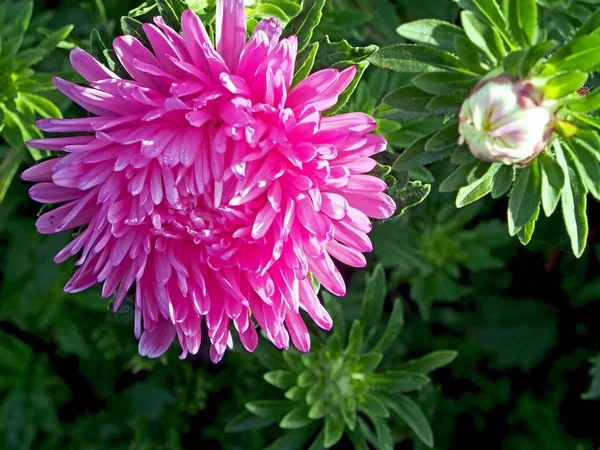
(506, 120)
(210, 184)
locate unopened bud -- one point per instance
(506, 120)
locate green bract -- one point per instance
(22, 90)
(446, 62)
(339, 388)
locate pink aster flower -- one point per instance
(210, 185)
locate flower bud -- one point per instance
(506, 120)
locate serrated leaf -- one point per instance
(524, 197)
(410, 195)
(441, 83)
(573, 202)
(446, 137)
(296, 418)
(247, 421)
(431, 32)
(414, 417)
(553, 180)
(478, 188)
(430, 362)
(482, 35)
(304, 23)
(392, 329)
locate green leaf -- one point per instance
(395, 57)
(522, 18)
(331, 54)
(373, 300)
(553, 180)
(319, 409)
(440, 83)
(304, 23)
(41, 105)
(478, 188)
(29, 57)
(431, 32)
(482, 35)
(19, 22)
(416, 156)
(589, 103)
(408, 98)
(392, 329)
(384, 435)
(430, 362)
(502, 181)
(8, 169)
(282, 379)
(591, 26)
(368, 362)
(587, 164)
(334, 429)
(447, 105)
(337, 316)
(492, 12)
(171, 11)
(373, 407)
(134, 27)
(573, 202)
(397, 381)
(102, 53)
(524, 197)
(355, 338)
(458, 178)
(410, 195)
(269, 409)
(296, 418)
(582, 53)
(535, 54)
(471, 56)
(446, 137)
(246, 421)
(525, 234)
(294, 440)
(305, 62)
(564, 84)
(593, 392)
(412, 414)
